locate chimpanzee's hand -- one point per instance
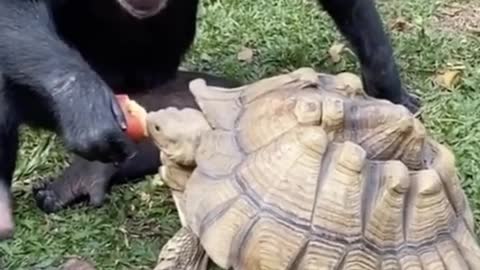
(387, 85)
(92, 123)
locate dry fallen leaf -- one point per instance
(335, 52)
(245, 54)
(400, 24)
(448, 79)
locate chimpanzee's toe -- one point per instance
(46, 198)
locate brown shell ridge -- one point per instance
(280, 215)
(295, 264)
(236, 255)
(384, 132)
(390, 250)
(337, 195)
(369, 187)
(442, 160)
(214, 214)
(262, 247)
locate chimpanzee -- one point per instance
(61, 61)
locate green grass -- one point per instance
(129, 230)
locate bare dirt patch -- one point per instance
(459, 17)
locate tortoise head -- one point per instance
(177, 133)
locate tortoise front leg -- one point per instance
(182, 252)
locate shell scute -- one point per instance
(269, 251)
(431, 260)
(274, 115)
(338, 202)
(429, 212)
(383, 218)
(221, 235)
(321, 254)
(218, 153)
(204, 202)
(283, 175)
(360, 258)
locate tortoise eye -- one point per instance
(157, 128)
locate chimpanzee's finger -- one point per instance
(118, 114)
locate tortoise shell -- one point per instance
(304, 171)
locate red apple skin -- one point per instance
(135, 130)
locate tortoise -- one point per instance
(303, 170)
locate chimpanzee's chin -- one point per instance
(142, 9)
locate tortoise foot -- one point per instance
(182, 252)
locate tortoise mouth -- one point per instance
(143, 9)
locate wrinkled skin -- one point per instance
(62, 61)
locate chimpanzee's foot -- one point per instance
(81, 180)
(7, 225)
(86, 179)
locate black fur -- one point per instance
(60, 59)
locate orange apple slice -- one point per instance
(135, 116)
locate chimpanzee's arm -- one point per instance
(32, 55)
(360, 23)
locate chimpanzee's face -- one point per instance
(143, 9)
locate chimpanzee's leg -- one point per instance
(360, 23)
(8, 156)
(92, 179)
(81, 179)
(86, 179)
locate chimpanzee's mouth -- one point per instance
(143, 9)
